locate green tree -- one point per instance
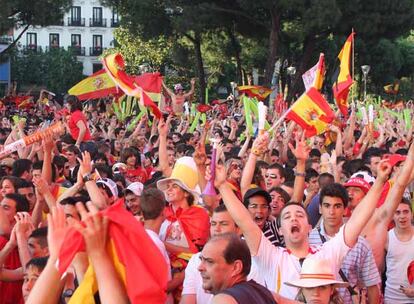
(57, 70)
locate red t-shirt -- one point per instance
(11, 292)
(73, 128)
(136, 175)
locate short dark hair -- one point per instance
(40, 234)
(39, 263)
(407, 202)
(281, 192)
(25, 184)
(236, 249)
(278, 167)
(20, 166)
(325, 179)
(152, 203)
(309, 173)
(334, 190)
(279, 218)
(370, 153)
(22, 204)
(220, 208)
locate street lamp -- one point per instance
(291, 71)
(365, 70)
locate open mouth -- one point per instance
(259, 219)
(295, 229)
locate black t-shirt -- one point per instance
(248, 292)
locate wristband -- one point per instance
(302, 174)
(87, 178)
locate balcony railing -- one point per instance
(32, 48)
(53, 47)
(97, 22)
(95, 51)
(77, 50)
(114, 22)
(76, 22)
(58, 23)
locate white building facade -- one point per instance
(86, 29)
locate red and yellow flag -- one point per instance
(344, 79)
(312, 112)
(97, 85)
(259, 92)
(137, 260)
(314, 76)
(134, 86)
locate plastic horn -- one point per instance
(53, 130)
(262, 109)
(371, 118)
(209, 190)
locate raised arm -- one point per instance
(301, 152)
(259, 146)
(169, 92)
(164, 166)
(191, 92)
(363, 212)
(385, 213)
(238, 212)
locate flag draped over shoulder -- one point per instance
(344, 80)
(312, 112)
(141, 86)
(314, 76)
(137, 260)
(259, 92)
(97, 85)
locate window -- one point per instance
(53, 40)
(115, 18)
(96, 67)
(75, 13)
(97, 41)
(76, 40)
(31, 40)
(97, 15)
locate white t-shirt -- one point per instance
(193, 283)
(276, 265)
(161, 247)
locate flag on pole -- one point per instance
(315, 75)
(137, 260)
(97, 85)
(312, 112)
(134, 86)
(344, 79)
(259, 92)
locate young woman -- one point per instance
(317, 283)
(134, 172)
(77, 122)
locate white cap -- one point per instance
(110, 184)
(135, 188)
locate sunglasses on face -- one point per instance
(236, 166)
(272, 176)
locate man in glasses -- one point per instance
(274, 176)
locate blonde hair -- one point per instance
(334, 299)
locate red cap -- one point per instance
(394, 159)
(358, 182)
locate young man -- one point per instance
(358, 267)
(400, 253)
(277, 264)
(152, 206)
(32, 272)
(224, 267)
(133, 198)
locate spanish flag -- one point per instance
(134, 86)
(312, 112)
(314, 76)
(344, 79)
(95, 86)
(137, 260)
(259, 92)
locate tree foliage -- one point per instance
(57, 70)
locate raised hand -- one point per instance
(57, 229)
(301, 151)
(85, 164)
(163, 128)
(94, 229)
(24, 225)
(384, 170)
(220, 177)
(261, 143)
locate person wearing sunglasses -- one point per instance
(234, 171)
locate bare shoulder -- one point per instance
(222, 298)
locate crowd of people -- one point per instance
(270, 218)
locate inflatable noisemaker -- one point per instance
(364, 116)
(371, 118)
(262, 109)
(209, 190)
(55, 129)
